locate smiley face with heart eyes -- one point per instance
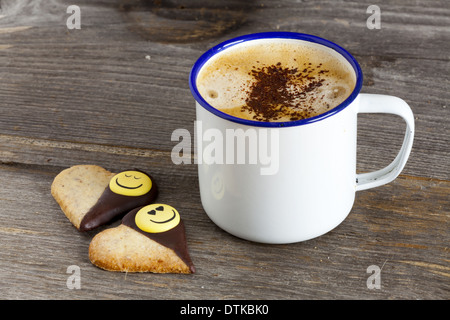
(130, 183)
(156, 218)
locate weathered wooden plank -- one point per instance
(130, 115)
(371, 155)
(388, 227)
(81, 84)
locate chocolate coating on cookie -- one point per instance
(111, 205)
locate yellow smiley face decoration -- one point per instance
(130, 183)
(156, 218)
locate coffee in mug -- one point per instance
(276, 80)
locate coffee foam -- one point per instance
(226, 79)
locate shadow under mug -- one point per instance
(311, 189)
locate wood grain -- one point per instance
(389, 227)
(112, 93)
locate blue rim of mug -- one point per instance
(274, 35)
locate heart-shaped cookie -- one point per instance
(150, 239)
(91, 196)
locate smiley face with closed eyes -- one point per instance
(130, 183)
(157, 218)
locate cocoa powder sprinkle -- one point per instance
(278, 92)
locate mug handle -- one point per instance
(376, 103)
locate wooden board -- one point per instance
(113, 92)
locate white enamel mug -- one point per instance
(296, 180)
